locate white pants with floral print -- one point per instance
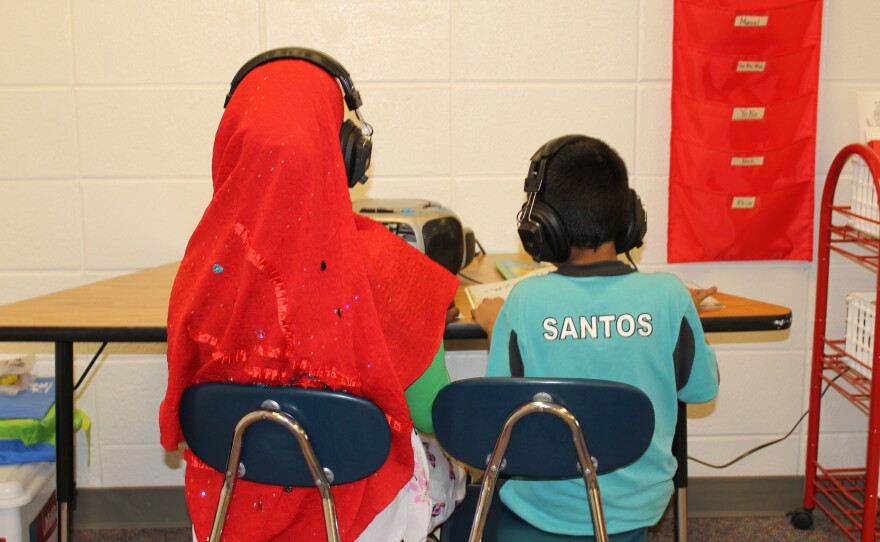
(436, 488)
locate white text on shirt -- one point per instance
(598, 326)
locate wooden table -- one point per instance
(130, 308)
(134, 308)
(738, 313)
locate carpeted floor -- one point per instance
(751, 529)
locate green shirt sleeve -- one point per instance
(421, 393)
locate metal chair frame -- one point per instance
(317, 471)
(487, 487)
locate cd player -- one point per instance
(426, 225)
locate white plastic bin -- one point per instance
(860, 311)
(28, 507)
(864, 199)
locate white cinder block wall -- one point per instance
(107, 117)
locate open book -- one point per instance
(476, 293)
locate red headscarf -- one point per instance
(282, 284)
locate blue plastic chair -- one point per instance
(316, 438)
(488, 424)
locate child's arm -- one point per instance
(702, 380)
(699, 294)
(421, 393)
(486, 314)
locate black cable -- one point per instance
(631, 262)
(482, 251)
(89, 367)
(475, 281)
(766, 444)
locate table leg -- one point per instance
(680, 480)
(64, 443)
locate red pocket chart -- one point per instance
(743, 139)
(776, 224)
(737, 172)
(767, 26)
(744, 125)
(743, 78)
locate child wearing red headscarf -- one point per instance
(282, 284)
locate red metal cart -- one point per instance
(847, 496)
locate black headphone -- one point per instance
(541, 230)
(356, 141)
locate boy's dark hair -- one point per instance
(586, 184)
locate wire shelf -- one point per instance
(844, 236)
(837, 365)
(843, 497)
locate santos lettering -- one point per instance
(603, 326)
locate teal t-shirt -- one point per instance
(607, 322)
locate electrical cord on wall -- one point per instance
(766, 444)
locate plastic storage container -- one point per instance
(864, 200)
(28, 507)
(860, 311)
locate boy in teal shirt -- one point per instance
(597, 317)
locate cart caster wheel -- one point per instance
(802, 518)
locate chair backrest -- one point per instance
(349, 434)
(617, 421)
(543, 428)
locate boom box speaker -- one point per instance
(426, 225)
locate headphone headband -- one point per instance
(541, 158)
(322, 60)
(551, 147)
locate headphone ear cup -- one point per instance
(356, 151)
(634, 233)
(542, 234)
